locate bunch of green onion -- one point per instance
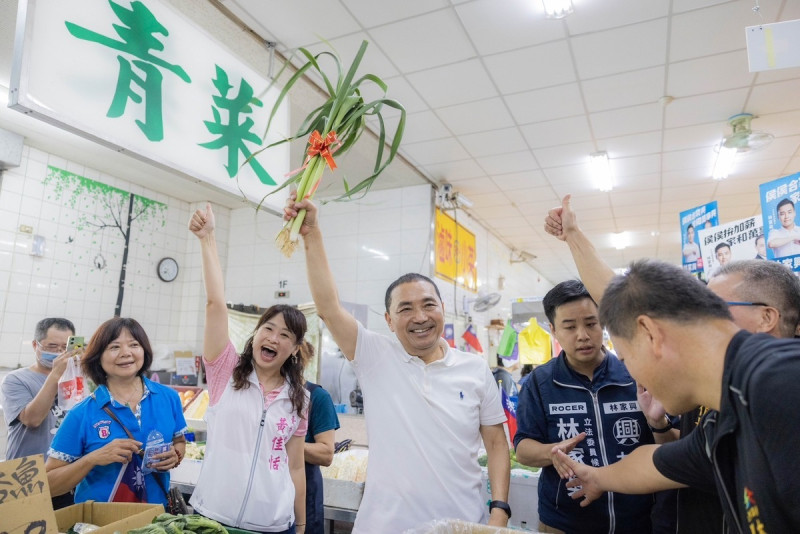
(335, 126)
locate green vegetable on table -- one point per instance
(179, 524)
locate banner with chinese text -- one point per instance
(733, 241)
(456, 255)
(692, 221)
(778, 200)
(141, 78)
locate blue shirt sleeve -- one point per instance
(531, 422)
(322, 415)
(69, 443)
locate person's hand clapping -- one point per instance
(202, 222)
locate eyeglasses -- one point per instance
(741, 303)
(52, 347)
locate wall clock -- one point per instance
(167, 269)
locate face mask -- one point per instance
(46, 358)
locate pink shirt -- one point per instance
(219, 373)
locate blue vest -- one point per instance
(557, 403)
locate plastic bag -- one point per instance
(71, 388)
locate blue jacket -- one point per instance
(87, 428)
(557, 403)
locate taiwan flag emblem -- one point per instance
(130, 485)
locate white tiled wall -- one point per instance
(370, 242)
(65, 282)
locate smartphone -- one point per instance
(74, 343)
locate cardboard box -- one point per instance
(111, 517)
(25, 504)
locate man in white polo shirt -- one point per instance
(427, 406)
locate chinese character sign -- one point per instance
(737, 240)
(692, 221)
(138, 76)
(456, 253)
(778, 200)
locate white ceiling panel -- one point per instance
(626, 89)
(635, 119)
(775, 97)
(632, 145)
(622, 49)
(563, 155)
(705, 108)
(546, 104)
(532, 68)
(713, 30)
(730, 72)
(597, 16)
(422, 126)
(425, 41)
(493, 142)
(457, 83)
(477, 186)
(550, 133)
(494, 30)
(520, 180)
(437, 151)
(489, 114)
(639, 182)
(327, 20)
(506, 163)
(454, 170)
(693, 136)
(370, 13)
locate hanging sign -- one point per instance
(456, 255)
(142, 79)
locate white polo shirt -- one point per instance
(789, 249)
(423, 423)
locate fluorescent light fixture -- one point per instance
(557, 9)
(620, 240)
(723, 165)
(601, 171)
(463, 202)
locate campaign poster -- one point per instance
(778, 200)
(692, 221)
(737, 240)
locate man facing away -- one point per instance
(660, 320)
(427, 406)
(30, 394)
(585, 397)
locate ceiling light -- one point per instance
(557, 9)
(620, 240)
(601, 171)
(724, 162)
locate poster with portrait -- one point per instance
(778, 200)
(737, 240)
(692, 221)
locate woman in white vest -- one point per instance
(253, 474)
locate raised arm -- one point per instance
(562, 223)
(342, 325)
(215, 337)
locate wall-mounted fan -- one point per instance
(482, 303)
(743, 138)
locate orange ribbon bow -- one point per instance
(324, 147)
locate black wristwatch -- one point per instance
(662, 430)
(503, 505)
